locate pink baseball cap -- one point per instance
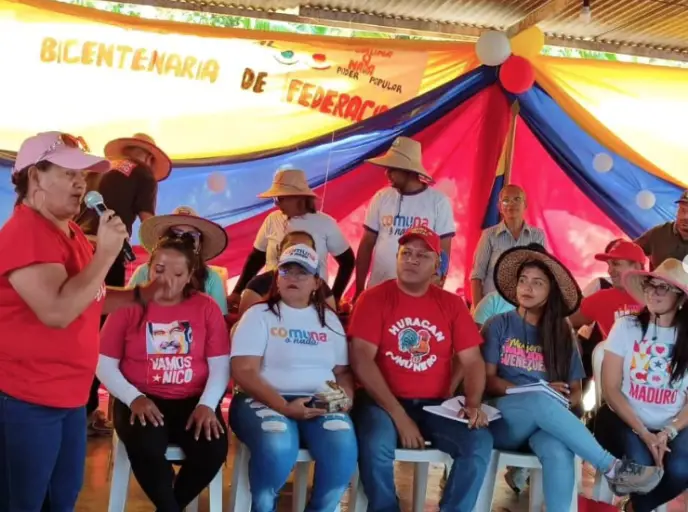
(60, 149)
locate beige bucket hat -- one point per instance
(404, 154)
(162, 166)
(508, 265)
(288, 182)
(213, 236)
(671, 271)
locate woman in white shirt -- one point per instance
(284, 351)
(296, 212)
(645, 379)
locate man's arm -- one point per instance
(481, 261)
(368, 374)
(474, 375)
(363, 258)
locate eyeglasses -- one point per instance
(66, 140)
(295, 274)
(659, 289)
(512, 200)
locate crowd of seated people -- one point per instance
(350, 395)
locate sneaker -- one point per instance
(517, 479)
(99, 425)
(631, 478)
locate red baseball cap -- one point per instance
(431, 239)
(623, 250)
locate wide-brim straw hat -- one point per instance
(671, 271)
(162, 165)
(510, 262)
(404, 154)
(214, 237)
(288, 182)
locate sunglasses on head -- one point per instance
(180, 233)
(66, 140)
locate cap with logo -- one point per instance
(427, 235)
(623, 250)
(301, 255)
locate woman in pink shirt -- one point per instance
(168, 366)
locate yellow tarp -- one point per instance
(200, 91)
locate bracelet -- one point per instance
(671, 432)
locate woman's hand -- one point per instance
(155, 288)
(654, 444)
(561, 387)
(297, 410)
(145, 410)
(205, 419)
(663, 447)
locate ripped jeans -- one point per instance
(274, 441)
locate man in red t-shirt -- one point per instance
(605, 306)
(405, 333)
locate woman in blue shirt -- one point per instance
(535, 343)
(210, 239)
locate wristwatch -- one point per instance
(671, 431)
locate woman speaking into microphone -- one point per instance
(51, 298)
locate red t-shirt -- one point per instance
(605, 306)
(416, 337)
(165, 353)
(40, 364)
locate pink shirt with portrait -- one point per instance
(165, 353)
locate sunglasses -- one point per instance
(180, 233)
(65, 140)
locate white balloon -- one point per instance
(602, 162)
(645, 199)
(493, 48)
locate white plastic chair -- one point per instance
(240, 494)
(358, 502)
(119, 487)
(502, 459)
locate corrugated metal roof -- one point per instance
(631, 26)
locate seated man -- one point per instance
(405, 333)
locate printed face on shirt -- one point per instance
(512, 202)
(172, 338)
(62, 190)
(175, 267)
(416, 263)
(650, 373)
(661, 297)
(169, 349)
(416, 338)
(533, 287)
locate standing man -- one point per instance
(668, 240)
(408, 202)
(405, 333)
(130, 188)
(512, 231)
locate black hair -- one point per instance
(202, 271)
(679, 356)
(20, 180)
(304, 234)
(555, 334)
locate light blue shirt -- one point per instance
(213, 285)
(492, 304)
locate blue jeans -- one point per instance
(620, 439)
(42, 454)
(377, 440)
(274, 442)
(539, 423)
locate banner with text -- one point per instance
(199, 91)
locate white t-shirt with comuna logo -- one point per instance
(647, 371)
(299, 355)
(390, 214)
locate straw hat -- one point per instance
(509, 263)
(671, 271)
(214, 237)
(162, 166)
(404, 154)
(288, 182)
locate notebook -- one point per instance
(450, 409)
(539, 387)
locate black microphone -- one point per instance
(94, 201)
